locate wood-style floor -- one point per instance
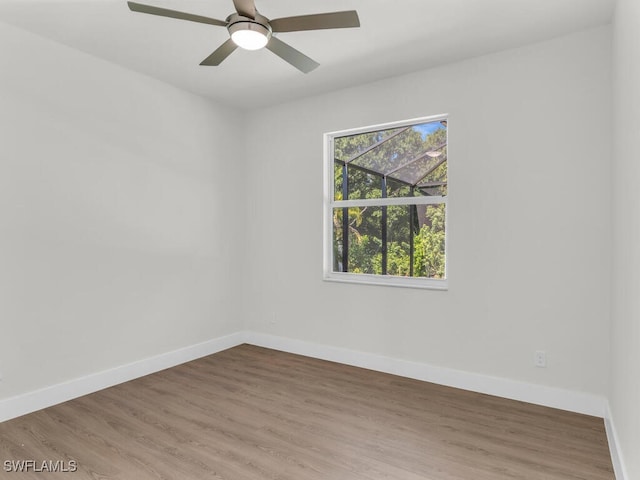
(250, 413)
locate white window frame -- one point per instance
(329, 203)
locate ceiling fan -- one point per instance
(252, 31)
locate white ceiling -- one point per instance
(396, 36)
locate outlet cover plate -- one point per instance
(540, 359)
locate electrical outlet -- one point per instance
(540, 359)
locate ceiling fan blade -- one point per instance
(222, 52)
(291, 55)
(246, 8)
(164, 12)
(320, 21)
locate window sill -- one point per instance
(388, 281)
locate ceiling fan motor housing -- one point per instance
(237, 24)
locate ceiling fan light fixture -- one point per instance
(249, 35)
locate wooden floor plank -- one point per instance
(249, 413)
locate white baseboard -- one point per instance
(46, 397)
(614, 446)
(538, 394)
(573, 401)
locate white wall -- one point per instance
(116, 233)
(529, 240)
(625, 373)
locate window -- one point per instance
(386, 204)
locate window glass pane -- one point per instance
(413, 156)
(422, 225)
